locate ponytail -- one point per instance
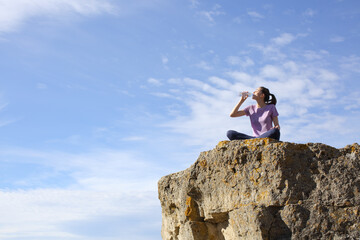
(273, 99)
(267, 98)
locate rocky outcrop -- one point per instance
(264, 189)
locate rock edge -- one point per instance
(264, 189)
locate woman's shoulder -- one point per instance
(271, 107)
(250, 107)
(249, 110)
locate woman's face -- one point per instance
(257, 94)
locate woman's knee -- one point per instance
(231, 134)
(272, 133)
(276, 133)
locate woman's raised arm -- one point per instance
(235, 112)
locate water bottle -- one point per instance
(245, 94)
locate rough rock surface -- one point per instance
(264, 189)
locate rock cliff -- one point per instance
(264, 189)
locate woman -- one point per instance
(262, 116)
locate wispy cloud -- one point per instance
(3, 106)
(6, 120)
(255, 15)
(47, 213)
(203, 65)
(13, 14)
(164, 60)
(100, 183)
(211, 14)
(41, 86)
(134, 138)
(312, 55)
(244, 62)
(237, 20)
(154, 81)
(272, 50)
(309, 12)
(300, 86)
(194, 3)
(352, 101)
(350, 63)
(337, 39)
(283, 39)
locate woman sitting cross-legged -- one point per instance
(262, 116)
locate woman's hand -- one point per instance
(244, 95)
(276, 122)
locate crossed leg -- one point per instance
(272, 133)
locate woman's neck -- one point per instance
(261, 104)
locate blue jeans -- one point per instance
(272, 133)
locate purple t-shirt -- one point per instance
(261, 118)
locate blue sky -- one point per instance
(101, 98)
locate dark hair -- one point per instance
(267, 98)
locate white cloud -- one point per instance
(4, 121)
(101, 163)
(3, 106)
(291, 66)
(197, 84)
(327, 75)
(134, 138)
(283, 39)
(315, 127)
(194, 3)
(350, 63)
(42, 213)
(164, 60)
(299, 90)
(204, 65)
(271, 71)
(255, 15)
(243, 62)
(270, 51)
(100, 183)
(41, 86)
(311, 55)
(175, 81)
(154, 81)
(241, 77)
(233, 60)
(15, 13)
(352, 101)
(337, 39)
(261, 33)
(300, 86)
(237, 20)
(209, 15)
(163, 95)
(309, 12)
(220, 82)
